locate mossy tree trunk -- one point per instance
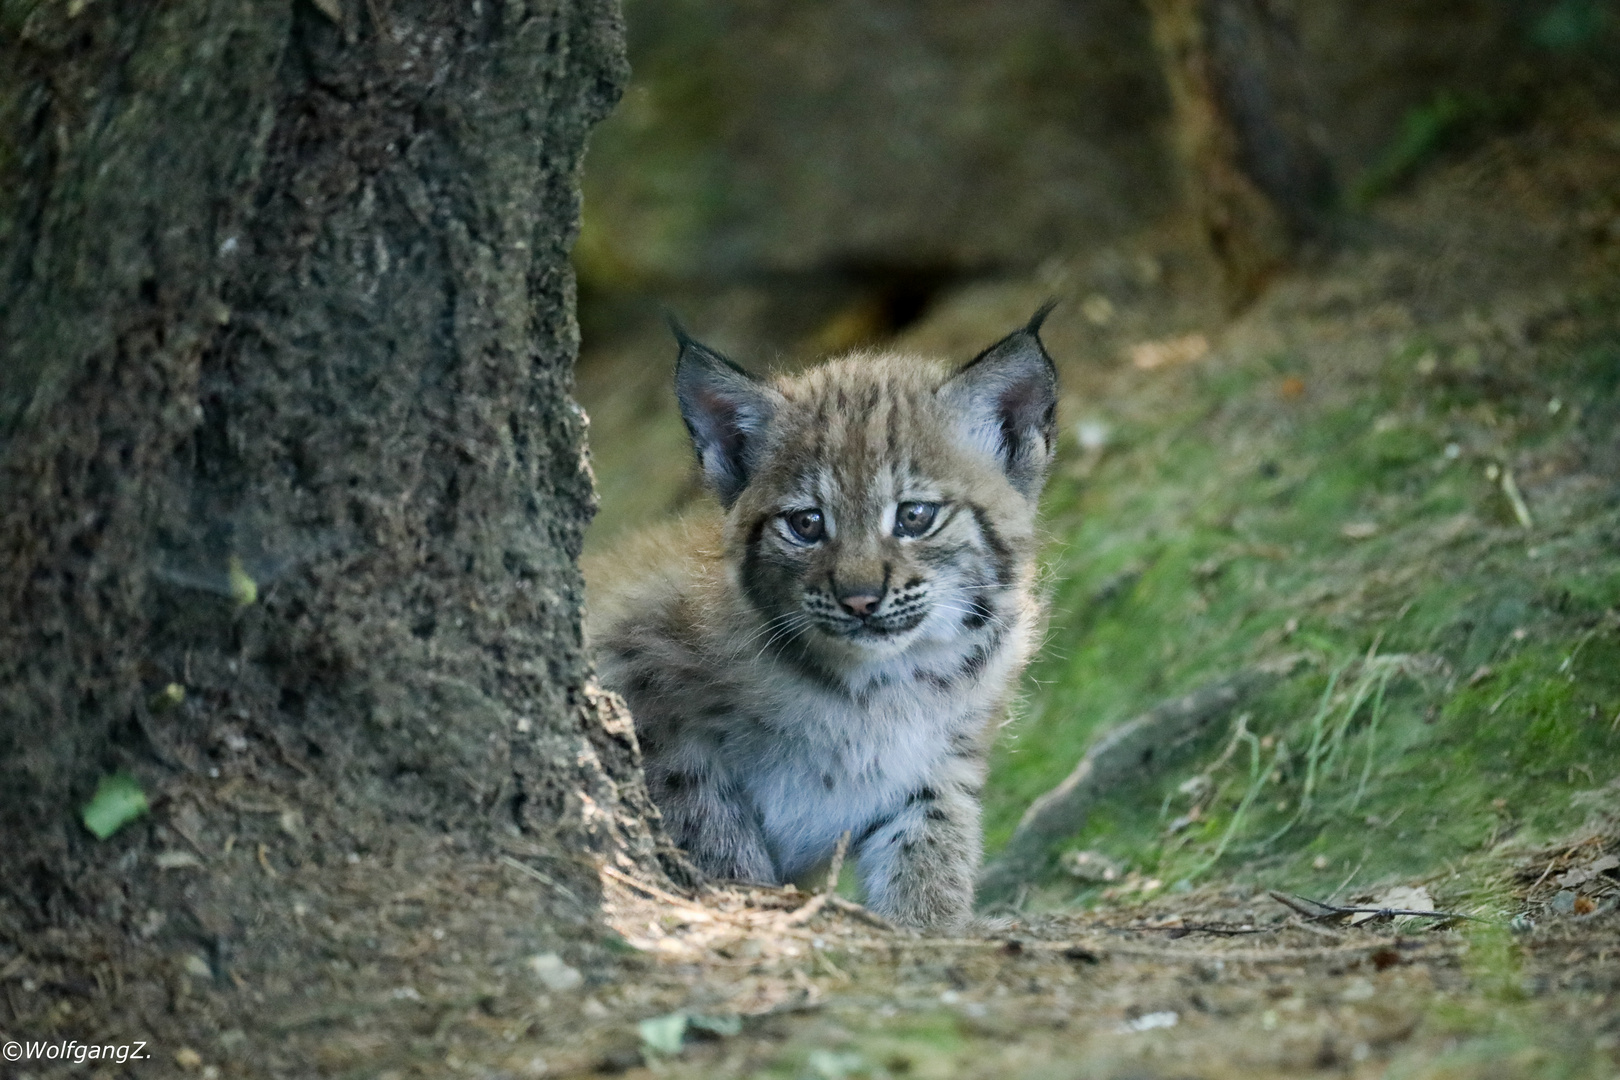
(1256, 173)
(285, 298)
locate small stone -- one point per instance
(1091, 866)
(1359, 990)
(292, 823)
(1153, 1021)
(187, 1058)
(557, 975)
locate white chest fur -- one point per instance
(825, 761)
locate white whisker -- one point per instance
(767, 627)
(789, 628)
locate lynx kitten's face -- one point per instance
(857, 535)
(878, 503)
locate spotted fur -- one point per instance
(816, 662)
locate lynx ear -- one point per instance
(726, 411)
(1006, 399)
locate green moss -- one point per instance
(925, 1045)
(1498, 1035)
(1466, 681)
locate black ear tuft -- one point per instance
(1006, 399)
(682, 338)
(1037, 320)
(726, 411)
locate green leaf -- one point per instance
(244, 590)
(663, 1034)
(167, 698)
(118, 801)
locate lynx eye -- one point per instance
(807, 526)
(914, 518)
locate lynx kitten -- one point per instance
(835, 656)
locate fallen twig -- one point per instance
(1313, 928)
(1304, 906)
(1107, 949)
(1215, 929)
(1131, 751)
(1316, 911)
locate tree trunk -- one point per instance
(1256, 174)
(286, 348)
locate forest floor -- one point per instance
(1400, 464)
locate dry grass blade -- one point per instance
(1124, 755)
(865, 914)
(821, 899)
(659, 894)
(545, 879)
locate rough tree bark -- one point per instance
(284, 293)
(1256, 174)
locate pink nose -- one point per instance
(860, 606)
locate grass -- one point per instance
(1466, 675)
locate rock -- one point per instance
(557, 975)
(846, 134)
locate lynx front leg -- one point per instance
(918, 866)
(715, 821)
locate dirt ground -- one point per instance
(397, 953)
(1219, 983)
(433, 969)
